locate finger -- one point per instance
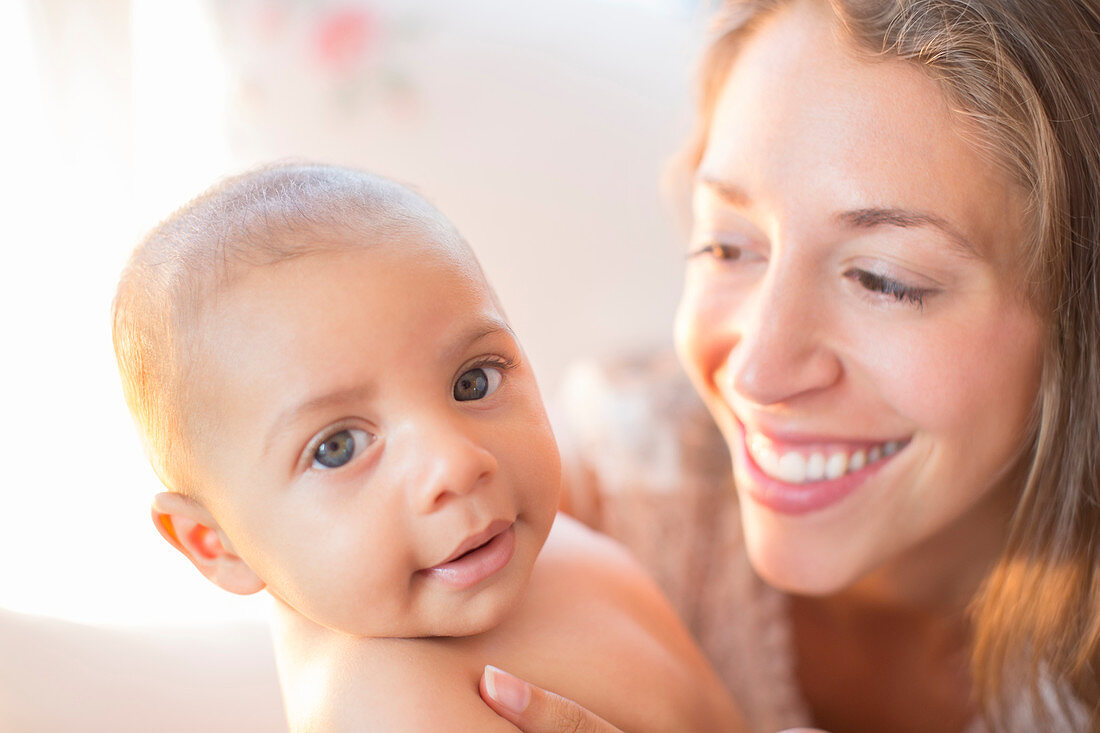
(534, 710)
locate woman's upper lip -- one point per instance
(796, 436)
(477, 540)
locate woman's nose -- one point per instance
(445, 462)
(782, 347)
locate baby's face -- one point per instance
(378, 450)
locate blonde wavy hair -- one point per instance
(1026, 74)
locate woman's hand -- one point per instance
(534, 710)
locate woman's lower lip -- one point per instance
(804, 498)
(477, 565)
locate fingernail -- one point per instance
(511, 692)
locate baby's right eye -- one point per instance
(339, 448)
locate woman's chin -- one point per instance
(793, 578)
(799, 562)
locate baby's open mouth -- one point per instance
(477, 558)
(477, 541)
(470, 552)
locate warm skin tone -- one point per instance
(420, 471)
(851, 289)
(368, 416)
(790, 338)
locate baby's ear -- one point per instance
(190, 528)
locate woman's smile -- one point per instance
(806, 475)
(869, 406)
(812, 462)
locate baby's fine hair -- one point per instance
(258, 218)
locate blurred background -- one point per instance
(541, 129)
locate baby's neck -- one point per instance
(321, 668)
(305, 654)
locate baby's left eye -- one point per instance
(477, 384)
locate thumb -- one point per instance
(534, 710)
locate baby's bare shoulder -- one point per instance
(573, 549)
(584, 574)
(396, 684)
(605, 635)
(592, 626)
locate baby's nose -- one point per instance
(448, 464)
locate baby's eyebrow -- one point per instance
(313, 404)
(482, 326)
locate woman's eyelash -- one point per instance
(886, 286)
(717, 251)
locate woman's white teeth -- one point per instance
(769, 459)
(793, 467)
(836, 465)
(815, 467)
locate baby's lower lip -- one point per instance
(476, 565)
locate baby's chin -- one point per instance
(471, 624)
(464, 617)
(474, 626)
(477, 616)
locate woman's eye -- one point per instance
(884, 285)
(476, 384)
(718, 251)
(339, 448)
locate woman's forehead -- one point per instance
(807, 123)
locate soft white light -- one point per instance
(75, 536)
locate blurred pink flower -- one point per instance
(342, 38)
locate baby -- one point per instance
(330, 392)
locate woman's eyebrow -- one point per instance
(872, 218)
(728, 192)
(866, 218)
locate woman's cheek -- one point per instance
(945, 376)
(706, 328)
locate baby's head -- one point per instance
(340, 412)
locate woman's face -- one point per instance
(852, 314)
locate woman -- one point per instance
(892, 311)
